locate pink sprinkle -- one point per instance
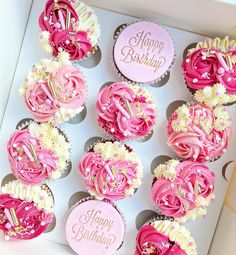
(220, 70)
(57, 25)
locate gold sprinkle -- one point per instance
(196, 188)
(68, 16)
(129, 108)
(14, 217)
(34, 153)
(229, 62)
(52, 89)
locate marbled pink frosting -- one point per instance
(96, 178)
(70, 88)
(49, 20)
(194, 143)
(32, 220)
(22, 167)
(148, 237)
(176, 197)
(113, 120)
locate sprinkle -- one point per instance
(187, 60)
(112, 130)
(14, 217)
(176, 144)
(172, 185)
(52, 89)
(8, 225)
(123, 119)
(27, 152)
(7, 238)
(9, 216)
(211, 186)
(207, 157)
(67, 41)
(33, 152)
(42, 223)
(14, 145)
(57, 25)
(194, 156)
(68, 16)
(87, 170)
(26, 208)
(222, 61)
(44, 165)
(203, 57)
(33, 109)
(45, 18)
(123, 111)
(229, 79)
(195, 80)
(229, 62)
(61, 18)
(220, 70)
(109, 172)
(199, 171)
(224, 150)
(104, 108)
(166, 203)
(129, 108)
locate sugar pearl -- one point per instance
(220, 70)
(57, 25)
(8, 225)
(166, 203)
(195, 80)
(26, 208)
(194, 156)
(45, 18)
(67, 75)
(199, 171)
(229, 79)
(42, 223)
(32, 231)
(7, 238)
(48, 102)
(104, 108)
(123, 118)
(67, 41)
(33, 109)
(44, 165)
(172, 185)
(87, 170)
(187, 60)
(224, 150)
(207, 157)
(112, 130)
(14, 145)
(176, 144)
(40, 157)
(19, 158)
(211, 186)
(203, 57)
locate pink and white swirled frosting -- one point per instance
(183, 189)
(20, 217)
(111, 170)
(54, 91)
(198, 132)
(32, 155)
(126, 111)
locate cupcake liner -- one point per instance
(113, 64)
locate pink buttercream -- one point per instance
(29, 171)
(194, 143)
(119, 122)
(106, 183)
(49, 19)
(32, 221)
(70, 88)
(77, 44)
(149, 239)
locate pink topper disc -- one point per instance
(95, 227)
(143, 52)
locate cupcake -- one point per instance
(69, 26)
(198, 132)
(210, 71)
(95, 225)
(54, 91)
(25, 211)
(111, 170)
(37, 153)
(126, 111)
(183, 190)
(143, 52)
(161, 235)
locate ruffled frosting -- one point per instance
(54, 91)
(111, 170)
(37, 153)
(183, 189)
(70, 27)
(126, 111)
(165, 237)
(199, 133)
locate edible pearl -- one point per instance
(14, 145)
(187, 60)
(108, 178)
(166, 203)
(123, 119)
(40, 157)
(195, 80)
(33, 109)
(57, 25)
(220, 70)
(8, 225)
(45, 18)
(198, 171)
(207, 157)
(203, 57)
(48, 102)
(176, 144)
(44, 165)
(229, 79)
(112, 130)
(7, 238)
(104, 108)
(42, 223)
(67, 41)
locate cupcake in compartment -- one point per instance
(183, 190)
(198, 132)
(38, 152)
(126, 111)
(54, 90)
(210, 71)
(95, 225)
(25, 211)
(111, 170)
(162, 235)
(69, 26)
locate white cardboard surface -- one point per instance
(202, 229)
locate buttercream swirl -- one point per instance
(112, 177)
(126, 111)
(204, 136)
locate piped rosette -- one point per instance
(70, 26)
(37, 153)
(198, 132)
(111, 170)
(166, 237)
(126, 111)
(210, 71)
(54, 91)
(25, 211)
(183, 190)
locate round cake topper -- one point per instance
(95, 225)
(143, 52)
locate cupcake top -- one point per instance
(126, 111)
(111, 170)
(25, 211)
(37, 153)
(54, 91)
(97, 225)
(165, 237)
(198, 132)
(183, 190)
(210, 69)
(143, 52)
(69, 26)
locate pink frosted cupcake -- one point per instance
(199, 133)
(70, 26)
(54, 91)
(126, 111)
(111, 170)
(183, 190)
(38, 152)
(210, 71)
(25, 211)
(163, 236)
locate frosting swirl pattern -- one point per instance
(111, 170)
(126, 111)
(198, 132)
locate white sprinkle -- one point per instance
(67, 75)
(104, 108)
(198, 171)
(229, 79)
(195, 80)
(207, 157)
(45, 18)
(224, 150)
(26, 208)
(166, 203)
(222, 143)
(14, 145)
(195, 156)
(44, 165)
(7, 238)
(42, 223)
(33, 109)
(67, 41)
(203, 57)
(112, 130)
(172, 185)
(32, 231)
(187, 60)
(211, 186)
(176, 144)
(19, 158)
